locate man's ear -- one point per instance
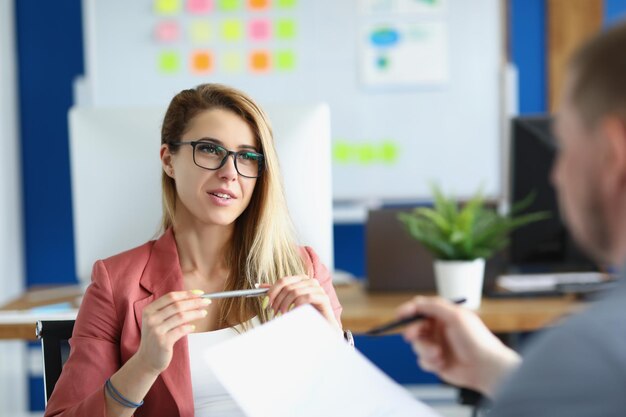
(166, 160)
(614, 132)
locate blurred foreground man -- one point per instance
(579, 367)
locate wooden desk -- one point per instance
(363, 310)
(36, 298)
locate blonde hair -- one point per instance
(263, 247)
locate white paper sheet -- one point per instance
(297, 365)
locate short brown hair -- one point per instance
(599, 75)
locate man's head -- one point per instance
(590, 170)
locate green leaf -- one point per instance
(467, 233)
(436, 217)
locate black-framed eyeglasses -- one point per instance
(211, 156)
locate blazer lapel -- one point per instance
(161, 276)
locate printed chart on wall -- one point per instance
(413, 85)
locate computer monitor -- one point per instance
(544, 246)
(116, 172)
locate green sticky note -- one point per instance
(285, 29)
(285, 60)
(166, 6)
(341, 152)
(389, 152)
(286, 4)
(367, 153)
(229, 5)
(232, 62)
(169, 62)
(232, 30)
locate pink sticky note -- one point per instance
(199, 6)
(167, 31)
(259, 29)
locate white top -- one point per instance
(210, 398)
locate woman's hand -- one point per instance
(455, 344)
(297, 290)
(164, 322)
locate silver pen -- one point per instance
(237, 293)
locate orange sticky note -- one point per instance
(167, 31)
(259, 61)
(202, 62)
(258, 4)
(259, 29)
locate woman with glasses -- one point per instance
(143, 323)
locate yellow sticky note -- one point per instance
(285, 29)
(167, 6)
(232, 30)
(232, 62)
(200, 32)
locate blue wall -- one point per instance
(527, 20)
(50, 55)
(614, 10)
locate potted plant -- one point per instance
(462, 238)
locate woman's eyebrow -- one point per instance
(219, 142)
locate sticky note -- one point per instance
(167, 6)
(285, 60)
(168, 31)
(199, 6)
(367, 153)
(202, 62)
(388, 152)
(232, 62)
(229, 5)
(286, 4)
(232, 30)
(200, 32)
(341, 152)
(259, 61)
(285, 29)
(169, 62)
(259, 29)
(258, 5)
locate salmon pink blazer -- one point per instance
(107, 331)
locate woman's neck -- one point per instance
(202, 252)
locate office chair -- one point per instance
(54, 335)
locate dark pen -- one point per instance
(401, 322)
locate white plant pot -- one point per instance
(460, 279)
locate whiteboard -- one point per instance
(436, 118)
